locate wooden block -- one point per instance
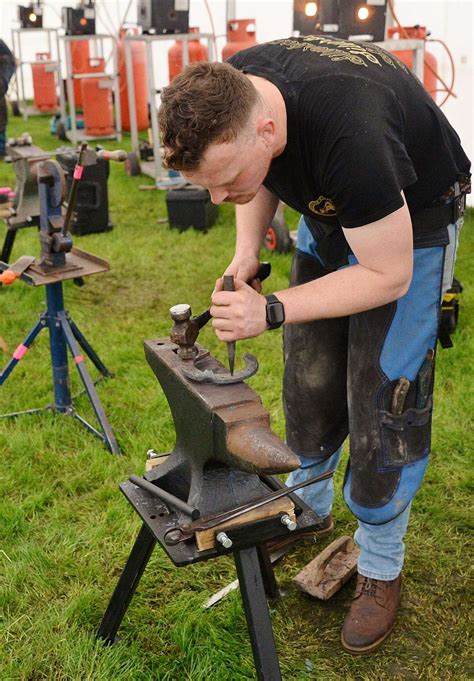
(207, 538)
(326, 573)
(156, 461)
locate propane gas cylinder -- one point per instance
(97, 101)
(80, 64)
(197, 52)
(44, 83)
(430, 66)
(139, 65)
(241, 33)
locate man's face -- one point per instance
(233, 172)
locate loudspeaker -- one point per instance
(163, 16)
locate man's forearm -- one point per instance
(253, 220)
(347, 291)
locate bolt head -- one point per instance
(288, 522)
(223, 539)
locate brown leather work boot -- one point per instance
(372, 614)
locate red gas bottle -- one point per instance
(80, 64)
(430, 69)
(44, 84)
(97, 101)
(197, 52)
(241, 33)
(139, 81)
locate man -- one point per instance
(7, 69)
(345, 134)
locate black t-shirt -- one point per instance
(361, 128)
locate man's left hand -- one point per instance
(238, 314)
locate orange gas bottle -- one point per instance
(241, 33)
(44, 84)
(80, 64)
(97, 101)
(139, 82)
(197, 52)
(430, 69)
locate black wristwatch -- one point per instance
(275, 312)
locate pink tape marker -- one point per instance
(78, 172)
(79, 359)
(20, 352)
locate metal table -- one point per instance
(154, 168)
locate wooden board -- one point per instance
(326, 573)
(207, 538)
(150, 464)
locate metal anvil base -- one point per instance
(217, 427)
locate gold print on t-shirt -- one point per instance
(340, 50)
(322, 206)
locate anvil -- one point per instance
(223, 434)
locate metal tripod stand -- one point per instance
(58, 262)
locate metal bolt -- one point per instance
(223, 539)
(286, 520)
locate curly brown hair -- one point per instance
(207, 103)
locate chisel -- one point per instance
(228, 281)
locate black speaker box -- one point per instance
(163, 16)
(92, 207)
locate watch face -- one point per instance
(275, 313)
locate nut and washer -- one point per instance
(223, 539)
(288, 522)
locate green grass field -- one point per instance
(66, 530)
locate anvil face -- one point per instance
(225, 423)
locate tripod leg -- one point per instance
(90, 352)
(109, 437)
(22, 349)
(8, 244)
(128, 582)
(257, 615)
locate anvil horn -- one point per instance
(257, 449)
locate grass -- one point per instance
(66, 530)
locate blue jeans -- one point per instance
(381, 543)
(381, 546)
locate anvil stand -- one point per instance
(220, 430)
(60, 262)
(252, 561)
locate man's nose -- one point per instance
(218, 195)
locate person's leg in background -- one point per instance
(3, 119)
(7, 69)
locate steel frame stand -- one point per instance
(254, 569)
(64, 334)
(253, 573)
(154, 168)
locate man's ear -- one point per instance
(266, 129)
